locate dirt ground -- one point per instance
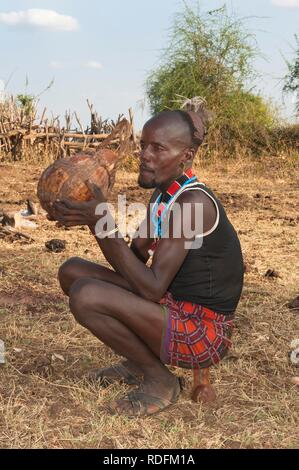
(45, 399)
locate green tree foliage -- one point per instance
(210, 55)
(27, 103)
(292, 79)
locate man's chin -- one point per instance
(146, 184)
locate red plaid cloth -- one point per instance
(194, 337)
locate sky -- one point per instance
(103, 51)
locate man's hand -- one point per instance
(70, 213)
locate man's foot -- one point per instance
(124, 372)
(150, 398)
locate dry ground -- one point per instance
(45, 401)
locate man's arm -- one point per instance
(141, 245)
(148, 282)
(152, 282)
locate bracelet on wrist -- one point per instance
(103, 235)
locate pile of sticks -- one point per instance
(25, 137)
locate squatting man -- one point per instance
(177, 311)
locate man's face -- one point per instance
(164, 145)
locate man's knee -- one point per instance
(67, 273)
(82, 300)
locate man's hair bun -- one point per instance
(194, 111)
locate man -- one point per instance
(178, 311)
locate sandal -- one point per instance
(144, 404)
(115, 373)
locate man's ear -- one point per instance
(189, 156)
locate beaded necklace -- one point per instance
(163, 202)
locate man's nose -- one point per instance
(145, 154)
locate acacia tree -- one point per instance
(210, 55)
(292, 79)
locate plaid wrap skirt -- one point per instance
(194, 337)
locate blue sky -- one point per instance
(103, 50)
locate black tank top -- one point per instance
(212, 275)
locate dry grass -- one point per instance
(45, 400)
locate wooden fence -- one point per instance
(25, 137)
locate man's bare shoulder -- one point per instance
(209, 210)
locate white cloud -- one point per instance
(40, 19)
(55, 64)
(286, 3)
(2, 85)
(93, 64)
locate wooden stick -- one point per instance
(93, 144)
(68, 135)
(132, 125)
